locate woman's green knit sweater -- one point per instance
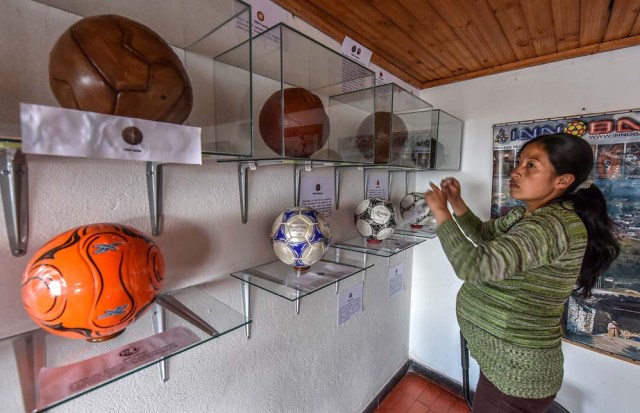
(519, 270)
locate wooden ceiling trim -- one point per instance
(443, 33)
(379, 27)
(567, 54)
(624, 13)
(415, 28)
(566, 23)
(334, 29)
(514, 25)
(466, 30)
(540, 22)
(594, 15)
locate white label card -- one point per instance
(355, 51)
(350, 303)
(396, 280)
(318, 193)
(264, 15)
(378, 185)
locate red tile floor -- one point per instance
(415, 394)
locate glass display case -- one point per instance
(404, 133)
(52, 370)
(198, 31)
(398, 132)
(294, 81)
(447, 137)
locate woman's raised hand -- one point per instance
(451, 187)
(437, 200)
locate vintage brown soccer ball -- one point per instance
(113, 65)
(365, 139)
(305, 123)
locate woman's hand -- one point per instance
(437, 201)
(451, 187)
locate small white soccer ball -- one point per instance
(375, 219)
(300, 236)
(415, 211)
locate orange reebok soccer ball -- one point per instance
(93, 281)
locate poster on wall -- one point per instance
(609, 321)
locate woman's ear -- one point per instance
(565, 181)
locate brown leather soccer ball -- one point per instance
(305, 123)
(113, 65)
(383, 137)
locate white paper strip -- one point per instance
(66, 132)
(58, 383)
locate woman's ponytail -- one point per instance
(602, 245)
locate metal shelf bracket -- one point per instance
(14, 185)
(154, 190)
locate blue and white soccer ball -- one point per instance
(300, 236)
(375, 219)
(415, 211)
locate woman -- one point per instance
(520, 269)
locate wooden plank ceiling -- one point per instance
(433, 42)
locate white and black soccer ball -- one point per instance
(300, 236)
(415, 211)
(375, 219)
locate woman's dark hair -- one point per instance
(573, 155)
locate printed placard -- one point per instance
(350, 303)
(318, 193)
(378, 185)
(396, 280)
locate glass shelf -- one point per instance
(283, 280)
(387, 248)
(427, 231)
(75, 367)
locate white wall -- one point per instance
(292, 363)
(593, 382)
